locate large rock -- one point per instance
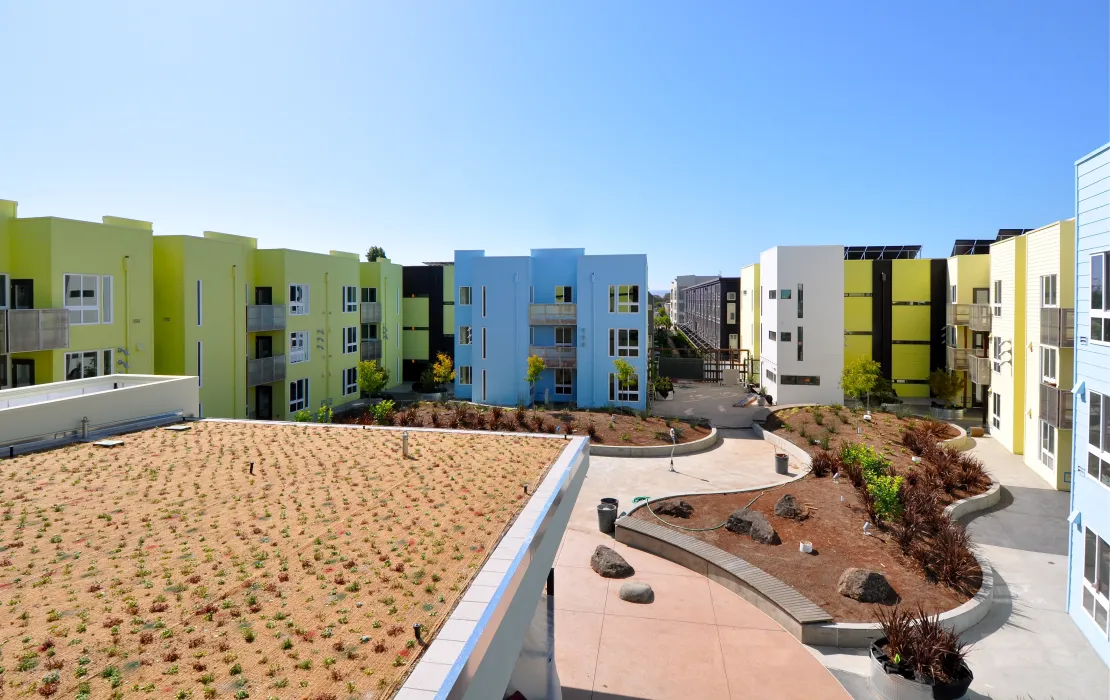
(865, 586)
(636, 592)
(751, 522)
(676, 509)
(609, 564)
(787, 507)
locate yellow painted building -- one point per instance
(1006, 350)
(750, 291)
(967, 320)
(380, 329)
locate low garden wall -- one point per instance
(685, 448)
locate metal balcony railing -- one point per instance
(1055, 406)
(262, 318)
(265, 370)
(956, 358)
(957, 314)
(1058, 327)
(29, 330)
(552, 314)
(370, 312)
(556, 357)
(979, 317)
(370, 349)
(978, 369)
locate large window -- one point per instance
(1048, 290)
(350, 339)
(996, 410)
(564, 295)
(1100, 300)
(1048, 364)
(350, 299)
(1048, 445)
(997, 353)
(464, 375)
(350, 381)
(369, 295)
(83, 298)
(564, 335)
(90, 363)
(298, 395)
(625, 391)
(466, 335)
(298, 347)
(624, 298)
(564, 382)
(369, 331)
(624, 342)
(464, 296)
(997, 300)
(1098, 438)
(799, 380)
(1096, 577)
(298, 299)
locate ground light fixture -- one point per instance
(673, 443)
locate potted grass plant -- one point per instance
(918, 658)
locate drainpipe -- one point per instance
(126, 310)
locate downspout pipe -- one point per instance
(126, 310)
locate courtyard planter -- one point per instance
(891, 681)
(947, 413)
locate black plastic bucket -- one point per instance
(607, 518)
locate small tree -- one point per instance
(372, 377)
(860, 377)
(625, 374)
(946, 386)
(662, 320)
(443, 371)
(375, 252)
(536, 366)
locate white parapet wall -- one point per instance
(43, 411)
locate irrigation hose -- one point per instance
(647, 503)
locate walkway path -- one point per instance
(698, 640)
(1027, 646)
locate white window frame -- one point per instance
(298, 347)
(107, 298)
(1098, 454)
(1090, 589)
(623, 346)
(1048, 445)
(81, 310)
(298, 386)
(996, 410)
(350, 299)
(104, 362)
(298, 299)
(350, 339)
(565, 330)
(483, 343)
(1048, 364)
(466, 335)
(625, 395)
(996, 353)
(465, 295)
(1101, 313)
(996, 297)
(466, 375)
(564, 290)
(1049, 289)
(566, 386)
(350, 381)
(616, 306)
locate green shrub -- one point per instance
(383, 412)
(302, 416)
(885, 492)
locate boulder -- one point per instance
(636, 592)
(753, 523)
(609, 564)
(865, 586)
(676, 509)
(787, 507)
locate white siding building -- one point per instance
(802, 323)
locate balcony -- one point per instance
(28, 330)
(370, 349)
(265, 318)
(957, 314)
(557, 357)
(553, 314)
(265, 370)
(956, 358)
(370, 312)
(978, 369)
(979, 317)
(1058, 327)
(1055, 406)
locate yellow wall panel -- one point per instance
(911, 323)
(911, 280)
(856, 346)
(857, 313)
(857, 276)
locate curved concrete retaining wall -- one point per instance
(961, 442)
(685, 448)
(797, 454)
(974, 504)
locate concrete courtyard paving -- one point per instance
(698, 640)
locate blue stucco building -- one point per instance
(1089, 530)
(578, 312)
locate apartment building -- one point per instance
(677, 306)
(578, 312)
(802, 323)
(968, 317)
(428, 310)
(1006, 347)
(380, 316)
(712, 313)
(69, 308)
(1088, 597)
(749, 316)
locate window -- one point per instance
(624, 342)
(298, 395)
(200, 363)
(350, 381)
(784, 336)
(771, 293)
(369, 295)
(350, 339)
(771, 335)
(784, 294)
(298, 299)
(4, 372)
(996, 410)
(997, 301)
(465, 335)
(464, 296)
(82, 298)
(950, 336)
(483, 301)
(769, 374)
(624, 298)
(107, 315)
(483, 343)
(799, 343)
(1100, 300)
(1096, 577)
(730, 296)
(464, 375)
(564, 336)
(624, 392)
(564, 382)
(3, 294)
(997, 353)
(369, 331)
(1048, 445)
(1048, 364)
(798, 380)
(483, 385)
(298, 347)
(350, 299)
(952, 294)
(90, 363)
(200, 303)
(1048, 290)
(1098, 438)
(564, 295)
(799, 303)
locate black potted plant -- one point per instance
(663, 386)
(917, 658)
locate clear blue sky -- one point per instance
(697, 133)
